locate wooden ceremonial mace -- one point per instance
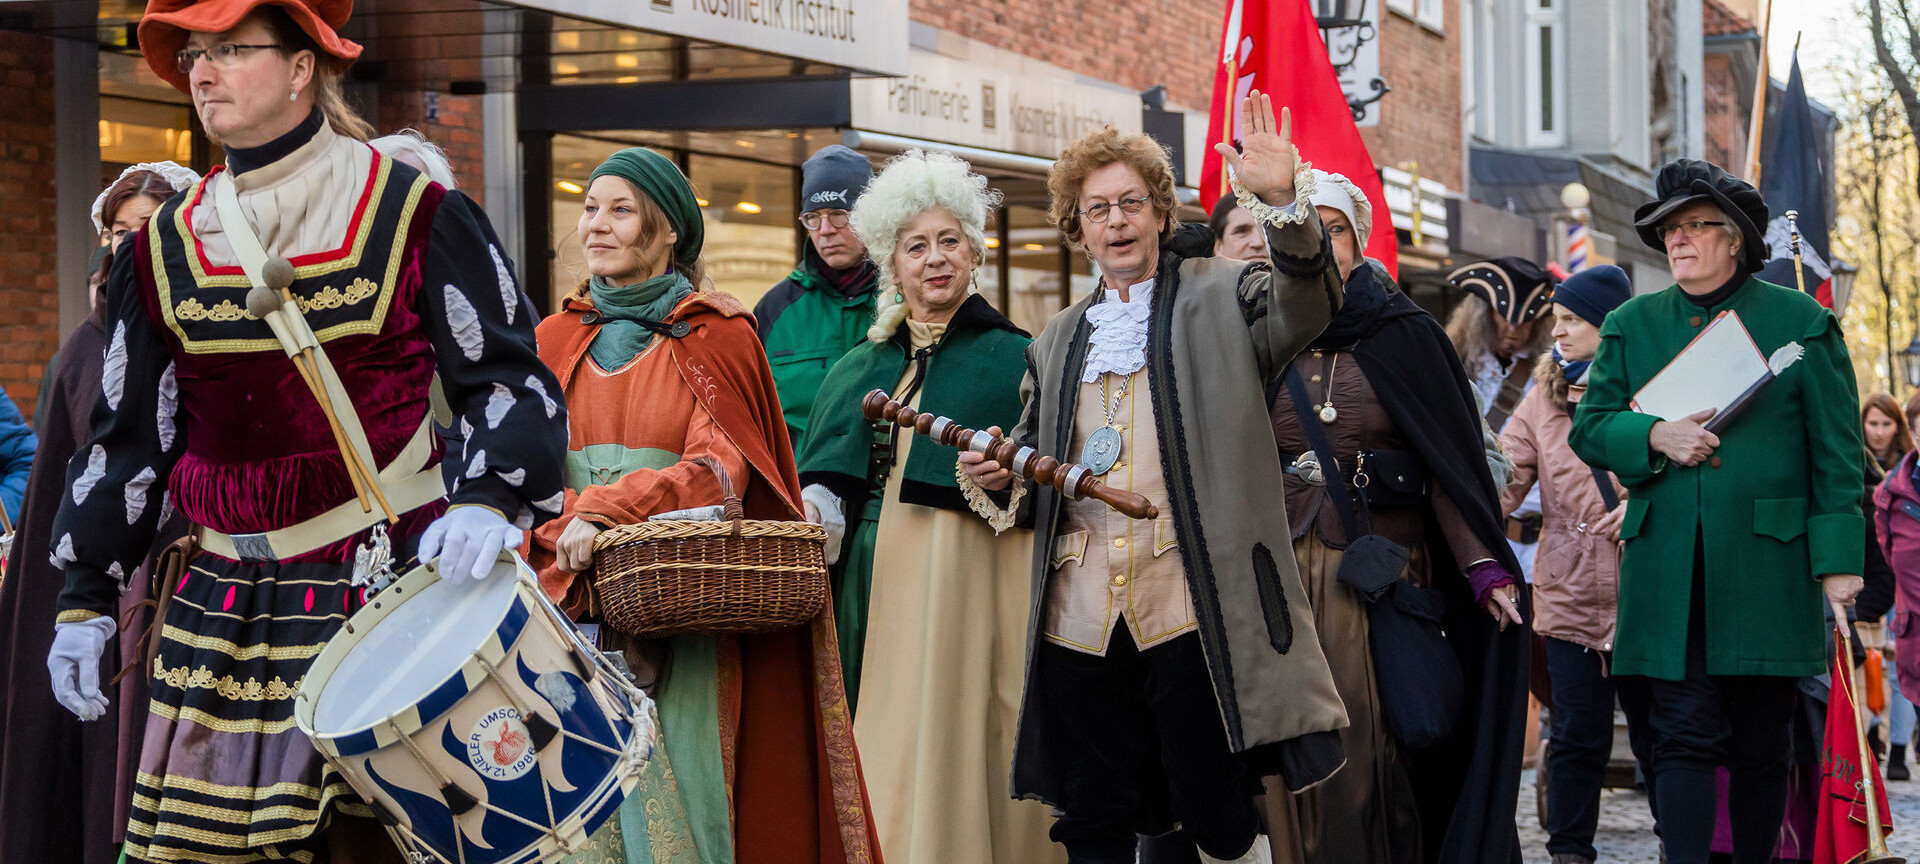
(1075, 481)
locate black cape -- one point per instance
(1467, 792)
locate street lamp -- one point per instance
(1910, 361)
(1344, 27)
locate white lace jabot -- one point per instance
(1118, 343)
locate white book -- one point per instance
(1722, 368)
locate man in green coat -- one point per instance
(823, 309)
(1732, 531)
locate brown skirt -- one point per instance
(1365, 811)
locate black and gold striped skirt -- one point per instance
(225, 776)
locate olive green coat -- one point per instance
(1778, 504)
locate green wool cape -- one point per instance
(839, 449)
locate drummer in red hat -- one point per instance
(275, 335)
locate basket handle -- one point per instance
(734, 510)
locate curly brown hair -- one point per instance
(1096, 150)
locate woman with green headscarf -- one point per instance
(757, 762)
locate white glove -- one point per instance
(74, 662)
(831, 513)
(467, 540)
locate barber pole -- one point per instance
(1579, 245)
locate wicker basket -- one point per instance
(738, 576)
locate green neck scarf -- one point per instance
(626, 313)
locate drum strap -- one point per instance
(289, 325)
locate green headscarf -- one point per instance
(660, 180)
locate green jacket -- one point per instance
(1778, 504)
(807, 326)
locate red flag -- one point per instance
(1274, 46)
(1840, 832)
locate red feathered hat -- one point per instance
(165, 27)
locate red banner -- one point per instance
(1274, 46)
(1840, 833)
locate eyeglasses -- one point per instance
(222, 56)
(1690, 229)
(1098, 213)
(836, 218)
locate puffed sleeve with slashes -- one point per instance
(117, 482)
(511, 417)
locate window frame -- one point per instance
(1549, 96)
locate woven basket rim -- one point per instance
(679, 529)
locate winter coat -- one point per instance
(1576, 573)
(1896, 517)
(17, 444)
(1777, 506)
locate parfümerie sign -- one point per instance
(863, 35)
(992, 99)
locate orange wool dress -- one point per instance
(788, 760)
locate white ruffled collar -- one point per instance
(1118, 343)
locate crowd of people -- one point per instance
(1376, 539)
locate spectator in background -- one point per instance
(1896, 523)
(1885, 427)
(1235, 234)
(17, 444)
(824, 307)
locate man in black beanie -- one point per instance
(823, 308)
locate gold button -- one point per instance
(1316, 378)
(1316, 355)
(1119, 542)
(1120, 428)
(1120, 581)
(1118, 466)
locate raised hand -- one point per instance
(1267, 160)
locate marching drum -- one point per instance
(475, 720)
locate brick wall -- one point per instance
(1726, 121)
(1139, 43)
(415, 65)
(1420, 119)
(29, 289)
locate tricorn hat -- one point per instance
(1517, 289)
(164, 29)
(1686, 181)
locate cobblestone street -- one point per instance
(1626, 831)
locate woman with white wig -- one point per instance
(931, 598)
(1392, 508)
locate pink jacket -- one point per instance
(1576, 574)
(1896, 514)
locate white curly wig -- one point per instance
(908, 185)
(433, 160)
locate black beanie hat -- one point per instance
(1593, 292)
(833, 179)
(1685, 181)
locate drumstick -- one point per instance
(279, 275)
(1076, 481)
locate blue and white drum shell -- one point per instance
(475, 720)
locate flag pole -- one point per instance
(1761, 82)
(1793, 227)
(1226, 124)
(1876, 843)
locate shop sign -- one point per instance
(992, 99)
(865, 35)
